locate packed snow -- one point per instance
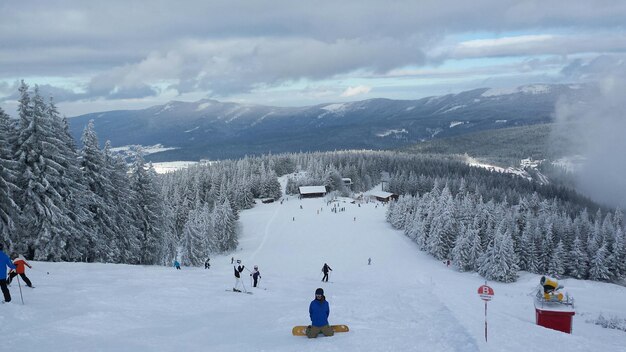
(169, 166)
(528, 89)
(404, 301)
(456, 123)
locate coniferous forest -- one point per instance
(60, 203)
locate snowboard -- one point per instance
(301, 330)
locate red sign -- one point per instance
(485, 292)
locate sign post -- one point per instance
(486, 294)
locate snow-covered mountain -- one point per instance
(212, 129)
(404, 301)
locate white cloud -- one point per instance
(358, 90)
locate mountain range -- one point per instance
(209, 129)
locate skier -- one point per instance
(232, 259)
(369, 261)
(207, 265)
(238, 269)
(256, 275)
(177, 265)
(325, 270)
(20, 263)
(4, 262)
(319, 310)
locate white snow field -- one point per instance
(404, 301)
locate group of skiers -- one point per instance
(256, 276)
(18, 267)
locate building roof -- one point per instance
(380, 194)
(312, 189)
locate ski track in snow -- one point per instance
(405, 301)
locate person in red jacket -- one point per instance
(20, 262)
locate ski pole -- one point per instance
(20, 285)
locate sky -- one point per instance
(107, 55)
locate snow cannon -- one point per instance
(549, 292)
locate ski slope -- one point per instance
(404, 301)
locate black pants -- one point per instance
(325, 278)
(13, 274)
(5, 290)
(255, 279)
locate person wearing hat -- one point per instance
(238, 269)
(20, 262)
(256, 275)
(4, 262)
(319, 310)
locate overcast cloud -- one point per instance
(139, 52)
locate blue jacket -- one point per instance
(4, 262)
(319, 311)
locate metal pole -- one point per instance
(20, 285)
(485, 321)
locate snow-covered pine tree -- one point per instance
(106, 247)
(598, 269)
(45, 224)
(467, 249)
(148, 206)
(579, 262)
(443, 228)
(224, 227)
(499, 262)
(559, 262)
(126, 215)
(8, 176)
(196, 235)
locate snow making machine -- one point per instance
(550, 292)
(553, 309)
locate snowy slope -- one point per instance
(404, 301)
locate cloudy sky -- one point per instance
(106, 55)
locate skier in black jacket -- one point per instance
(238, 269)
(256, 275)
(325, 270)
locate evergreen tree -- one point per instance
(148, 206)
(557, 265)
(579, 262)
(498, 262)
(8, 176)
(598, 269)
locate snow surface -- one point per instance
(392, 132)
(169, 166)
(529, 89)
(456, 123)
(404, 301)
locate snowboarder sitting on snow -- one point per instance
(319, 310)
(256, 274)
(4, 262)
(207, 265)
(20, 263)
(238, 269)
(177, 265)
(325, 270)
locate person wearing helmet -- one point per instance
(238, 269)
(256, 275)
(319, 310)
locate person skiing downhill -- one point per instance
(238, 269)
(256, 275)
(325, 270)
(207, 265)
(319, 310)
(20, 263)
(4, 262)
(177, 265)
